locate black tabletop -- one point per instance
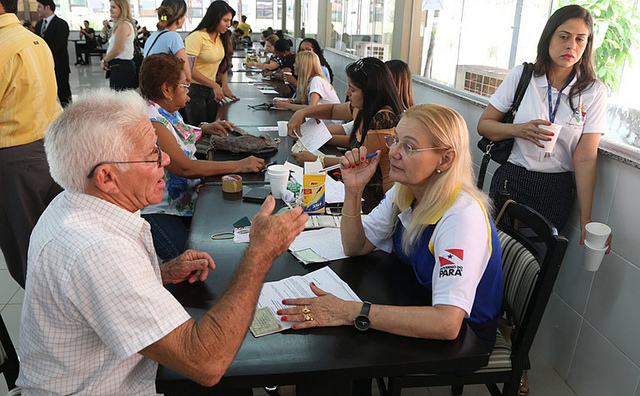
(311, 358)
(250, 109)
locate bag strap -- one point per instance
(154, 41)
(525, 78)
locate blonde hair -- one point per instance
(307, 67)
(445, 128)
(125, 15)
(273, 39)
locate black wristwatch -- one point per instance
(362, 321)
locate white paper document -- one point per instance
(318, 246)
(333, 191)
(266, 321)
(314, 135)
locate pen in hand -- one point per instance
(336, 166)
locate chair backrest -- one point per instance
(531, 259)
(9, 364)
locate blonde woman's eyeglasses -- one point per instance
(405, 148)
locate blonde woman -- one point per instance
(435, 220)
(119, 58)
(171, 16)
(313, 86)
(273, 62)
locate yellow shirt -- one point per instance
(210, 53)
(28, 89)
(246, 28)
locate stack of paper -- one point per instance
(318, 246)
(265, 321)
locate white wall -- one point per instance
(589, 331)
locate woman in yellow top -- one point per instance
(211, 45)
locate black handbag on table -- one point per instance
(500, 150)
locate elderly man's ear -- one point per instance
(106, 180)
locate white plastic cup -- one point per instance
(550, 144)
(282, 128)
(593, 257)
(597, 234)
(278, 179)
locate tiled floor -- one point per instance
(544, 379)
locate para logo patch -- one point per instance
(451, 263)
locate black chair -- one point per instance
(532, 252)
(9, 364)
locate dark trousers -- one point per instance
(84, 49)
(27, 188)
(123, 74)
(64, 90)
(169, 234)
(202, 107)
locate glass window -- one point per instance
(464, 45)
(264, 9)
(290, 20)
(309, 14)
(363, 27)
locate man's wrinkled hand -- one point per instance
(191, 266)
(271, 235)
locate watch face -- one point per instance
(362, 322)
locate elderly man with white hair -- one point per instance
(96, 319)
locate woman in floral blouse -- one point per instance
(163, 83)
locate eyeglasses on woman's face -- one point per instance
(405, 148)
(157, 151)
(184, 85)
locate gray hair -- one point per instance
(99, 126)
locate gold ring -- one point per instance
(306, 310)
(307, 317)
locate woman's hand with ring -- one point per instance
(322, 311)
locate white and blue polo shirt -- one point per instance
(457, 257)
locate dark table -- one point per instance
(322, 361)
(243, 114)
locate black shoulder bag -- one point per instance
(499, 151)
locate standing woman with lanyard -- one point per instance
(119, 58)
(211, 44)
(564, 90)
(166, 40)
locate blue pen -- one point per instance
(336, 166)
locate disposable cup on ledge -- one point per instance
(597, 234)
(282, 128)
(550, 144)
(593, 257)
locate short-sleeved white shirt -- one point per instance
(323, 88)
(94, 299)
(587, 116)
(464, 229)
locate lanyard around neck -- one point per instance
(553, 110)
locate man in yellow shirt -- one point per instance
(27, 106)
(246, 28)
